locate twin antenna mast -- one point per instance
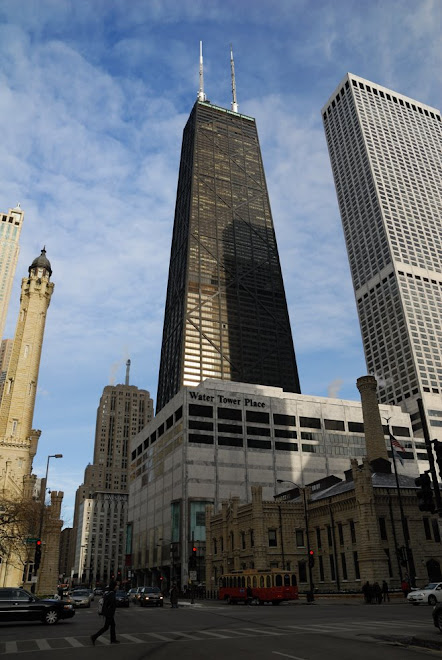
(201, 95)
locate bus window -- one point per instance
(278, 580)
(261, 581)
(248, 581)
(269, 580)
(254, 580)
(293, 580)
(243, 581)
(286, 580)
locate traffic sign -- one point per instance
(32, 540)
(192, 576)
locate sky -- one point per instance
(94, 96)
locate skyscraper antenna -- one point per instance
(127, 372)
(232, 69)
(201, 95)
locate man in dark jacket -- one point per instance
(108, 611)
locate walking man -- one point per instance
(108, 611)
(385, 593)
(174, 596)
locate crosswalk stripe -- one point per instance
(43, 645)
(132, 638)
(73, 642)
(185, 635)
(214, 634)
(158, 636)
(11, 647)
(262, 631)
(233, 632)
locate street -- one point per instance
(208, 629)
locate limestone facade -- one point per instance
(355, 531)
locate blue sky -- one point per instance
(94, 95)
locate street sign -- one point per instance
(192, 576)
(31, 540)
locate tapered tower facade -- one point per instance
(10, 228)
(18, 441)
(226, 313)
(385, 150)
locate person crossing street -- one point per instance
(108, 611)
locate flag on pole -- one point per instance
(397, 447)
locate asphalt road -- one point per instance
(320, 631)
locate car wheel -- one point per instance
(439, 621)
(50, 617)
(432, 600)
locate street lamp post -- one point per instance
(42, 507)
(307, 533)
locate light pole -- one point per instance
(310, 597)
(171, 557)
(42, 510)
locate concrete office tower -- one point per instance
(98, 537)
(10, 228)
(226, 314)
(5, 356)
(385, 151)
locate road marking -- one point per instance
(131, 638)
(185, 635)
(214, 634)
(11, 647)
(158, 636)
(73, 642)
(286, 655)
(263, 632)
(43, 645)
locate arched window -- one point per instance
(293, 580)
(261, 581)
(248, 581)
(278, 580)
(243, 581)
(269, 580)
(286, 580)
(254, 581)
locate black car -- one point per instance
(437, 616)
(151, 597)
(19, 605)
(121, 599)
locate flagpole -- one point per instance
(410, 564)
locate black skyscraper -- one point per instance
(226, 313)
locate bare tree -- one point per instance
(19, 521)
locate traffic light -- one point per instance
(194, 551)
(438, 451)
(425, 494)
(311, 558)
(37, 555)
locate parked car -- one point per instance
(437, 616)
(98, 591)
(151, 597)
(430, 594)
(81, 598)
(121, 598)
(131, 594)
(16, 604)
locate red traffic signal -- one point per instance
(38, 542)
(194, 551)
(311, 558)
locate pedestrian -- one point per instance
(108, 611)
(377, 593)
(174, 596)
(249, 595)
(385, 592)
(405, 587)
(366, 592)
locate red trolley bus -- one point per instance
(272, 586)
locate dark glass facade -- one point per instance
(226, 313)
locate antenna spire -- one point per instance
(127, 372)
(201, 96)
(232, 69)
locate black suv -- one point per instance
(18, 605)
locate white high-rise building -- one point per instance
(386, 156)
(10, 228)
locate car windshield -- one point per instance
(121, 594)
(153, 590)
(432, 585)
(81, 593)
